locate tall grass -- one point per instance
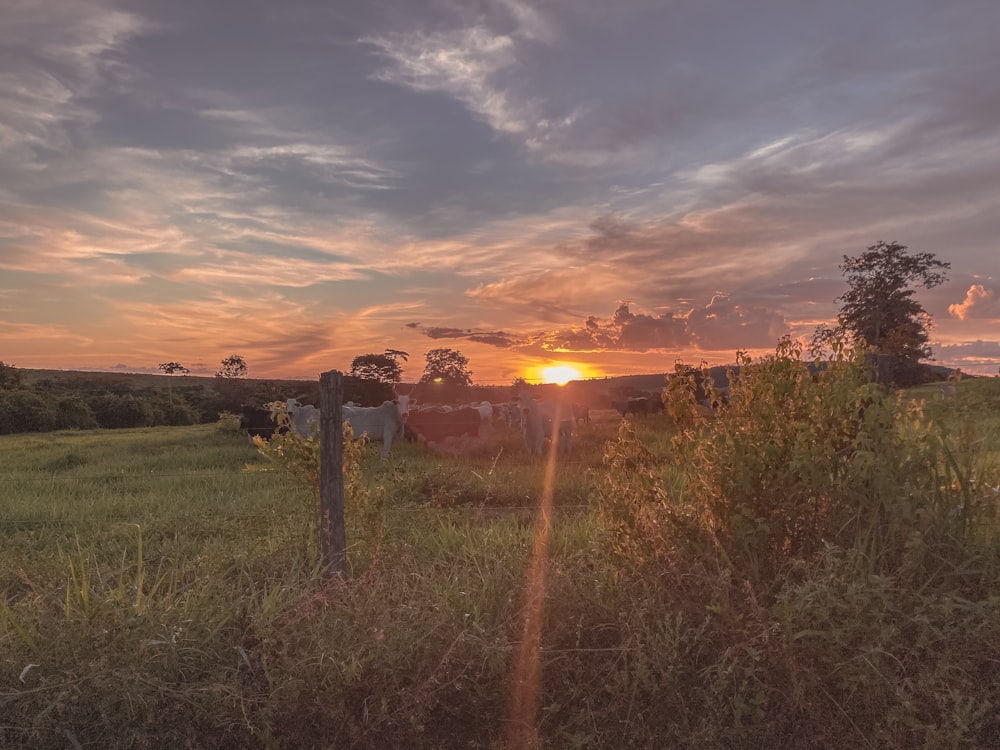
(829, 557)
(708, 585)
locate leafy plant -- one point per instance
(300, 458)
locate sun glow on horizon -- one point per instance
(560, 374)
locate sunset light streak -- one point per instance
(526, 681)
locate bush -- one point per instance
(228, 422)
(802, 457)
(176, 413)
(74, 413)
(25, 411)
(300, 458)
(126, 410)
(827, 558)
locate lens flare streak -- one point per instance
(521, 730)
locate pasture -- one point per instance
(155, 593)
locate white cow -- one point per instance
(403, 403)
(304, 419)
(383, 423)
(485, 409)
(380, 423)
(510, 414)
(546, 419)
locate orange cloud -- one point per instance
(979, 302)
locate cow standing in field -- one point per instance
(637, 406)
(383, 423)
(304, 418)
(485, 409)
(403, 402)
(509, 415)
(551, 419)
(435, 424)
(260, 422)
(380, 423)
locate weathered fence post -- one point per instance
(332, 534)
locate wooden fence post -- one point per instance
(332, 534)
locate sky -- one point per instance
(612, 186)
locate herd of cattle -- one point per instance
(540, 422)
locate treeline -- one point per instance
(87, 401)
(84, 403)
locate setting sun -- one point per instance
(560, 374)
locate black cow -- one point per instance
(260, 422)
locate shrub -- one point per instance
(176, 413)
(816, 566)
(73, 412)
(802, 457)
(126, 410)
(228, 422)
(300, 458)
(25, 411)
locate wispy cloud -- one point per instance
(629, 181)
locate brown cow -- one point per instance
(432, 424)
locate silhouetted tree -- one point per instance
(384, 368)
(879, 306)
(233, 366)
(170, 368)
(446, 366)
(446, 377)
(231, 382)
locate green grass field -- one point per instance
(157, 594)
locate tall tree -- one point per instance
(447, 366)
(231, 382)
(384, 368)
(170, 368)
(879, 306)
(233, 366)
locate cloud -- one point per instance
(974, 357)
(720, 325)
(328, 163)
(640, 332)
(725, 325)
(15, 333)
(307, 182)
(462, 63)
(499, 339)
(58, 55)
(981, 301)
